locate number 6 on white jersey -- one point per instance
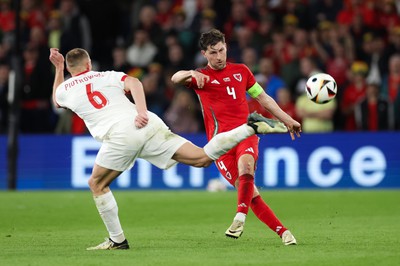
(96, 98)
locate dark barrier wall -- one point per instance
(337, 160)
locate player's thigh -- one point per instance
(227, 166)
(165, 148)
(247, 154)
(236, 161)
(193, 155)
(118, 154)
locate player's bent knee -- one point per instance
(95, 185)
(92, 184)
(203, 162)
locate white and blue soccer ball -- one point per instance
(321, 88)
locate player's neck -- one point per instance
(216, 69)
(77, 73)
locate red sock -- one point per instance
(245, 193)
(266, 215)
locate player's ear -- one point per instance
(203, 53)
(89, 65)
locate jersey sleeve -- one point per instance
(116, 77)
(193, 84)
(60, 96)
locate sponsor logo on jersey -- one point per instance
(227, 79)
(215, 81)
(238, 77)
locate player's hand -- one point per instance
(200, 78)
(141, 119)
(294, 129)
(56, 58)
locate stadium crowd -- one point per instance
(281, 41)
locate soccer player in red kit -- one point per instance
(221, 88)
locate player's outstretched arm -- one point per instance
(57, 60)
(135, 87)
(271, 106)
(183, 77)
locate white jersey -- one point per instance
(99, 99)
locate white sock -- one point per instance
(240, 216)
(223, 142)
(108, 210)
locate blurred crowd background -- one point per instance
(283, 42)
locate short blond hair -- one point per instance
(76, 57)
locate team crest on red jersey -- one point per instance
(238, 77)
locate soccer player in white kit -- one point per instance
(129, 131)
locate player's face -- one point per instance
(216, 55)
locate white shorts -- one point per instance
(125, 143)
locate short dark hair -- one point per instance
(211, 38)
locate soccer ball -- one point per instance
(321, 88)
(215, 185)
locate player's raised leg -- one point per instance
(220, 144)
(256, 124)
(107, 206)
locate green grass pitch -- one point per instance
(335, 227)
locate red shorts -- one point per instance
(227, 164)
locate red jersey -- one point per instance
(223, 97)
